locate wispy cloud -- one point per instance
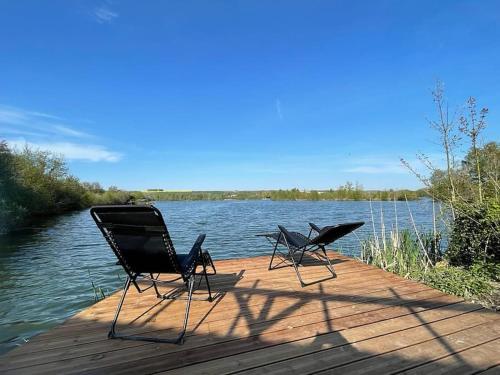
(14, 115)
(103, 14)
(376, 165)
(388, 165)
(70, 151)
(20, 127)
(370, 169)
(71, 132)
(278, 109)
(21, 121)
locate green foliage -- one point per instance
(466, 179)
(475, 235)
(11, 213)
(398, 253)
(41, 184)
(488, 270)
(488, 164)
(35, 183)
(114, 196)
(458, 281)
(403, 254)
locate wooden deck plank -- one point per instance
(352, 333)
(495, 370)
(331, 358)
(469, 361)
(221, 315)
(342, 290)
(266, 322)
(349, 320)
(425, 352)
(306, 313)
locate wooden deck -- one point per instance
(364, 321)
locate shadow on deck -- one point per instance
(364, 321)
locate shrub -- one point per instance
(488, 270)
(34, 182)
(420, 259)
(475, 235)
(11, 215)
(458, 281)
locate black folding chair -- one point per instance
(296, 242)
(140, 240)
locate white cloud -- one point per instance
(376, 165)
(22, 121)
(103, 14)
(12, 116)
(45, 131)
(69, 131)
(389, 165)
(71, 151)
(370, 169)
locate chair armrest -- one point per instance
(194, 254)
(315, 227)
(196, 249)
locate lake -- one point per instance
(48, 269)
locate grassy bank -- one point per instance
(420, 257)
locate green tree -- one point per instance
(482, 165)
(472, 126)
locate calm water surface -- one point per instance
(47, 271)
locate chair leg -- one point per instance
(155, 286)
(329, 265)
(302, 255)
(211, 264)
(178, 340)
(188, 306)
(290, 255)
(112, 333)
(274, 252)
(302, 283)
(203, 263)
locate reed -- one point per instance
(418, 255)
(99, 293)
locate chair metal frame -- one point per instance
(317, 249)
(292, 250)
(203, 259)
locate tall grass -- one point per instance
(396, 252)
(418, 255)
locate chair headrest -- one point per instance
(127, 216)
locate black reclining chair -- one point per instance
(140, 240)
(296, 242)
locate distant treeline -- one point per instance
(347, 192)
(37, 183)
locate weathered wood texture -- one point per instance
(364, 321)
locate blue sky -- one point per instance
(242, 94)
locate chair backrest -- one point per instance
(330, 234)
(139, 238)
